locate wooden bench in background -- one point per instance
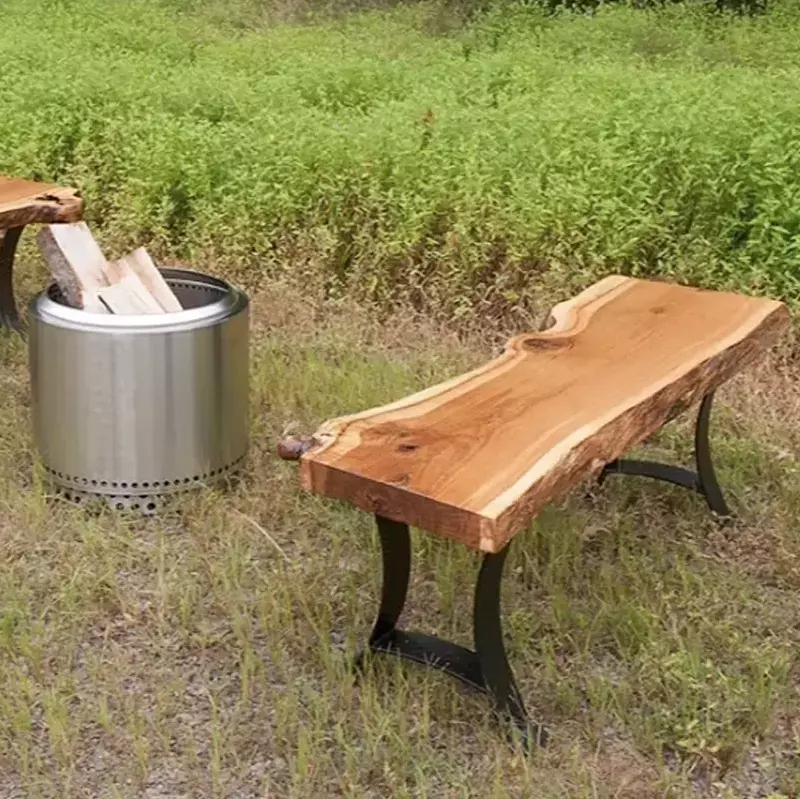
(23, 202)
(477, 457)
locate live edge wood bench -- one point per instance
(24, 202)
(477, 457)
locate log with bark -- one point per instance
(76, 262)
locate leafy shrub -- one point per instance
(464, 174)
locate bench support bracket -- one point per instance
(9, 318)
(703, 481)
(486, 668)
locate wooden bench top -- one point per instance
(24, 202)
(476, 457)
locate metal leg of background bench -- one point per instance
(703, 481)
(9, 317)
(706, 476)
(486, 668)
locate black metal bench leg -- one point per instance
(498, 678)
(485, 669)
(703, 481)
(396, 559)
(708, 485)
(9, 317)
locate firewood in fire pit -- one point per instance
(139, 264)
(130, 285)
(76, 263)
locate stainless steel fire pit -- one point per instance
(135, 408)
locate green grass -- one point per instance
(207, 652)
(470, 171)
(400, 156)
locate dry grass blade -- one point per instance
(180, 656)
(254, 523)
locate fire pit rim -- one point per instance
(47, 306)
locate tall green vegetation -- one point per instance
(399, 155)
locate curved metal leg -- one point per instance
(706, 476)
(396, 550)
(485, 669)
(497, 675)
(8, 308)
(677, 475)
(703, 481)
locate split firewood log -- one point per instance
(130, 285)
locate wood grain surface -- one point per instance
(140, 265)
(129, 296)
(476, 457)
(76, 262)
(24, 202)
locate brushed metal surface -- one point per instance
(141, 405)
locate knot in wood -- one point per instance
(543, 343)
(292, 448)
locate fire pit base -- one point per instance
(149, 500)
(134, 409)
